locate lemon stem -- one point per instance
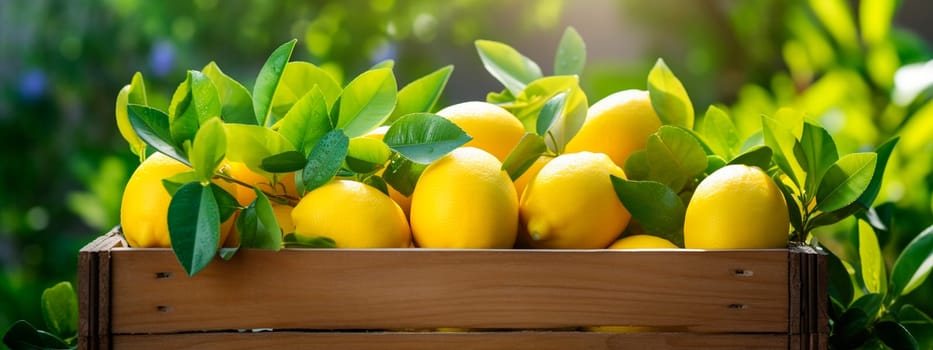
(282, 199)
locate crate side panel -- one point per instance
(727, 291)
(475, 341)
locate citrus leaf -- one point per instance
(152, 127)
(759, 156)
(284, 162)
(296, 81)
(713, 163)
(227, 204)
(296, 241)
(913, 266)
(366, 155)
(268, 234)
(719, 132)
(377, 182)
(23, 335)
(668, 97)
(569, 121)
(194, 102)
(402, 174)
(674, 156)
(500, 98)
(917, 322)
(236, 103)
(424, 137)
(254, 143)
(781, 141)
(895, 335)
(60, 310)
(528, 104)
(306, 122)
(840, 281)
(636, 166)
(325, 159)
(571, 54)
(655, 206)
(421, 95)
(871, 262)
(267, 82)
(845, 181)
(208, 149)
(793, 207)
(134, 93)
(194, 226)
(367, 102)
(549, 112)
(174, 182)
(884, 152)
(524, 155)
(832, 217)
(817, 153)
(507, 65)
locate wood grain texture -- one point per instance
(431, 341)
(94, 292)
(699, 291)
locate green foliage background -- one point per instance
(63, 163)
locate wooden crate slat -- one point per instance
(476, 341)
(724, 291)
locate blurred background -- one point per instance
(862, 69)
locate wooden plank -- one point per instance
(93, 291)
(699, 291)
(430, 341)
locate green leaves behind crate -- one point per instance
(668, 97)
(366, 102)
(421, 95)
(267, 82)
(134, 93)
(60, 312)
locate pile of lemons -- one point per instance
(466, 200)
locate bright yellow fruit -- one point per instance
(736, 207)
(617, 125)
(493, 128)
(464, 200)
(642, 242)
(571, 203)
(144, 208)
(353, 214)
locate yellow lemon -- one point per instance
(402, 200)
(464, 200)
(642, 242)
(144, 207)
(571, 203)
(353, 214)
(492, 128)
(736, 207)
(617, 125)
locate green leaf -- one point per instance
(60, 310)
(297, 80)
(208, 149)
(389, 64)
(252, 143)
(871, 262)
(713, 163)
(366, 155)
(759, 156)
(507, 65)
(306, 122)
(527, 105)
(421, 95)
(867, 198)
(571, 54)
(134, 93)
(377, 182)
(845, 181)
(174, 182)
(870, 304)
(793, 206)
(655, 206)
(195, 101)
(817, 153)
(23, 335)
(913, 266)
(226, 203)
(152, 127)
(668, 97)
(829, 218)
(674, 157)
(297, 241)
(236, 103)
(549, 112)
(917, 322)
(268, 234)
(367, 102)
(524, 155)
(719, 132)
(424, 137)
(325, 159)
(781, 141)
(851, 328)
(499, 98)
(402, 174)
(636, 166)
(284, 162)
(896, 336)
(194, 226)
(840, 281)
(268, 81)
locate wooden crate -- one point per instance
(507, 299)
